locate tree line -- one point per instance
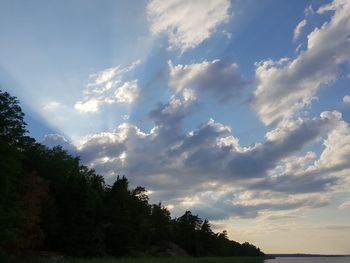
(49, 201)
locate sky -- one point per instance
(236, 110)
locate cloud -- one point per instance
(298, 29)
(309, 10)
(334, 157)
(128, 92)
(345, 205)
(101, 147)
(286, 86)
(168, 117)
(52, 140)
(211, 149)
(223, 203)
(329, 170)
(217, 78)
(90, 105)
(187, 23)
(107, 87)
(52, 106)
(106, 75)
(294, 184)
(346, 99)
(289, 138)
(109, 74)
(209, 167)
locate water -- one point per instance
(310, 260)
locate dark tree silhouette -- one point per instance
(12, 125)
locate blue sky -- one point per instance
(237, 110)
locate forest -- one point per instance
(50, 202)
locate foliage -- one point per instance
(50, 202)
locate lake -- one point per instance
(310, 260)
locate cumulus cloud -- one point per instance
(187, 23)
(168, 117)
(286, 86)
(298, 29)
(103, 146)
(334, 157)
(128, 92)
(346, 99)
(345, 205)
(108, 87)
(320, 174)
(208, 166)
(218, 78)
(280, 143)
(90, 105)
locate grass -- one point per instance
(166, 260)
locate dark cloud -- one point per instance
(296, 184)
(225, 206)
(256, 162)
(217, 78)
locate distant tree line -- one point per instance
(50, 202)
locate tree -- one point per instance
(160, 224)
(34, 192)
(12, 125)
(118, 218)
(206, 238)
(188, 225)
(12, 130)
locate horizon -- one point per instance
(236, 110)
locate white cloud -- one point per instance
(346, 99)
(90, 105)
(106, 75)
(336, 153)
(309, 11)
(296, 164)
(218, 78)
(128, 92)
(52, 106)
(187, 23)
(331, 6)
(110, 73)
(108, 87)
(345, 205)
(298, 48)
(286, 86)
(299, 28)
